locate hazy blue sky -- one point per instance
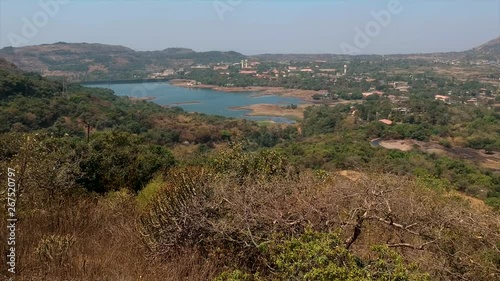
(253, 26)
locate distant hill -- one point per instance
(178, 51)
(487, 51)
(100, 62)
(4, 64)
(490, 48)
(91, 62)
(298, 57)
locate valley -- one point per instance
(185, 165)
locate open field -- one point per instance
(490, 161)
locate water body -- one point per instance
(201, 100)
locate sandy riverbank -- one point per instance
(185, 103)
(305, 95)
(274, 110)
(142, 99)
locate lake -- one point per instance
(201, 100)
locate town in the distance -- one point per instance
(183, 165)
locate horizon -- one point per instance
(249, 55)
(381, 27)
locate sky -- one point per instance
(256, 26)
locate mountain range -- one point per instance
(90, 62)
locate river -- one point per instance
(201, 100)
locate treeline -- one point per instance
(339, 137)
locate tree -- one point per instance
(115, 160)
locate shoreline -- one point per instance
(185, 103)
(142, 99)
(304, 95)
(273, 110)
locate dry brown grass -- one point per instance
(96, 237)
(106, 244)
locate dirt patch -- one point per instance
(475, 203)
(141, 99)
(351, 175)
(273, 110)
(185, 102)
(98, 67)
(403, 145)
(305, 95)
(489, 161)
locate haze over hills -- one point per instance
(490, 48)
(250, 140)
(84, 61)
(257, 200)
(90, 62)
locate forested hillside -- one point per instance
(91, 62)
(156, 193)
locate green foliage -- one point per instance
(318, 256)
(243, 165)
(481, 142)
(115, 160)
(14, 83)
(445, 143)
(321, 256)
(317, 97)
(494, 202)
(236, 275)
(49, 165)
(320, 120)
(150, 191)
(225, 135)
(427, 181)
(231, 205)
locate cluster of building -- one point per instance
(401, 86)
(250, 67)
(246, 67)
(164, 74)
(317, 69)
(484, 97)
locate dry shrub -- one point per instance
(204, 223)
(178, 216)
(54, 251)
(442, 235)
(94, 238)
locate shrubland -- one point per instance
(161, 194)
(251, 216)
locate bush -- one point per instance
(317, 97)
(115, 160)
(318, 256)
(258, 166)
(148, 193)
(176, 217)
(445, 143)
